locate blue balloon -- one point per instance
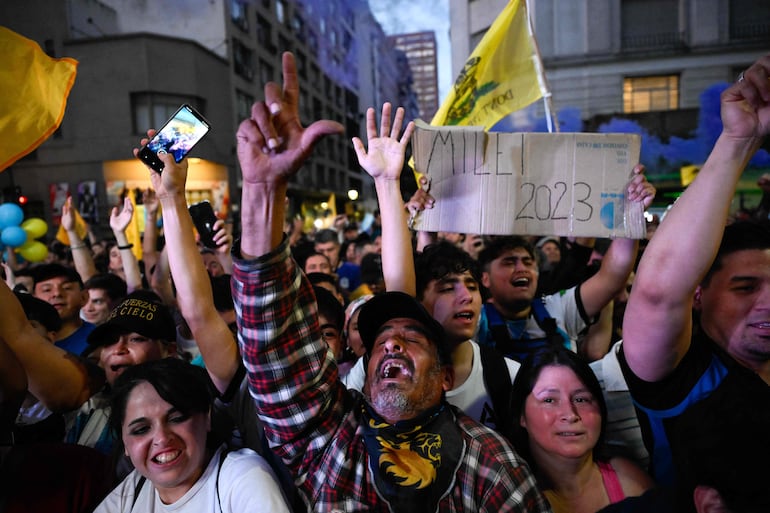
(13, 236)
(11, 214)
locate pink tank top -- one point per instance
(611, 482)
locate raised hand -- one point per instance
(222, 238)
(639, 189)
(272, 144)
(174, 176)
(119, 219)
(151, 203)
(421, 199)
(746, 103)
(384, 157)
(68, 214)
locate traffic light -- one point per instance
(13, 194)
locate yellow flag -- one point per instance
(81, 228)
(687, 174)
(34, 90)
(132, 230)
(498, 78)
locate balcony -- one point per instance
(652, 42)
(748, 32)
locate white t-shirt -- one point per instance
(246, 483)
(471, 397)
(622, 431)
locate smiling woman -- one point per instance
(161, 412)
(557, 425)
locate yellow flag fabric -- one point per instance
(34, 90)
(132, 230)
(498, 78)
(81, 228)
(688, 174)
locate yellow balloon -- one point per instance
(34, 251)
(35, 227)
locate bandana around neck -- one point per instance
(413, 462)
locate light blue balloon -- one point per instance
(13, 236)
(11, 214)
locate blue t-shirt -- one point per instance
(706, 378)
(78, 341)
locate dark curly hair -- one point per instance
(439, 260)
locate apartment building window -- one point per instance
(312, 42)
(647, 24)
(301, 61)
(151, 110)
(243, 60)
(644, 94)
(244, 101)
(239, 14)
(264, 33)
(280, 12)
(265, 72)
(749, 20)
(284, 43)
(298, 27)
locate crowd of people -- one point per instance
(388, 370)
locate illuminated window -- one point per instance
(279, 11)
(644, 94)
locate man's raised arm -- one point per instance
(291, 373)
(193, 286)
(384, 161)
(597, 291)
(658, 320)
(61, 380)
(272, 145)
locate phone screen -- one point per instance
(178, 136)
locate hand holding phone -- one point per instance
(204, 218)
(177, 136)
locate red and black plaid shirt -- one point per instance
(312, 420)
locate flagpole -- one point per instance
(551, 119)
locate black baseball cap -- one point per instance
(135, 314)
(397, 305)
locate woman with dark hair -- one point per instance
(161, 412)
(558, 420)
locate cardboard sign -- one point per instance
(528, 183)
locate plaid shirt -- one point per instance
(312, 421)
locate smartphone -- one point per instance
(178, 136)
(204, 218)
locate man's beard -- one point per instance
(392, 402)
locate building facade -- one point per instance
(420, 50)
(628, 56)
(648, 62)
(138, 61)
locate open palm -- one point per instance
(384, 157)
